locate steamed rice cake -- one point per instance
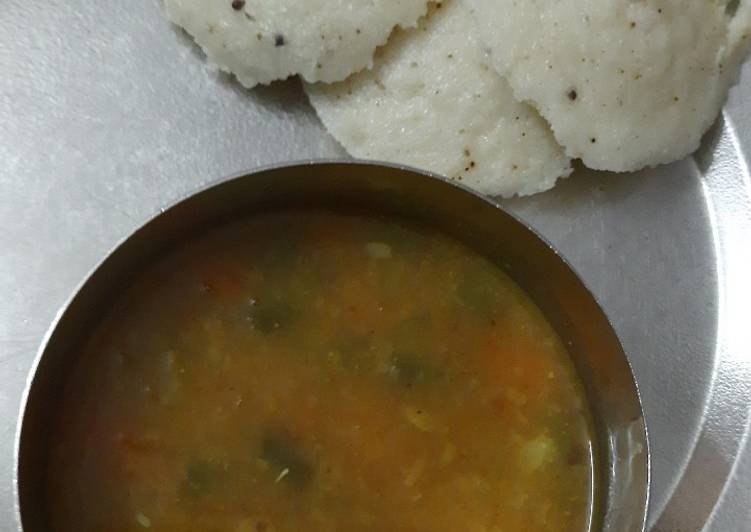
(260, 41)
(623, 84)
(432, 101)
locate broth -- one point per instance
(309, 371)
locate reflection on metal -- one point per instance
(727, 410)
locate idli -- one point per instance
(624, 84)
(260, 41)
(433, 102)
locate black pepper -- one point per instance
(279, 39)
(237, 5)
(572, 95)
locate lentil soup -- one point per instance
(310, 371)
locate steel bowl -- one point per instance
(622, 468)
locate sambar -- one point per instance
(347, 187)
(314, 371)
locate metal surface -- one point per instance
(107, 114)
(623, 459)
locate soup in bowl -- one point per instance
(333, 346)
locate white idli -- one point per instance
(264, 40)
(624, 84)
(431, 101)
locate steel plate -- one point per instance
(107, 113)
